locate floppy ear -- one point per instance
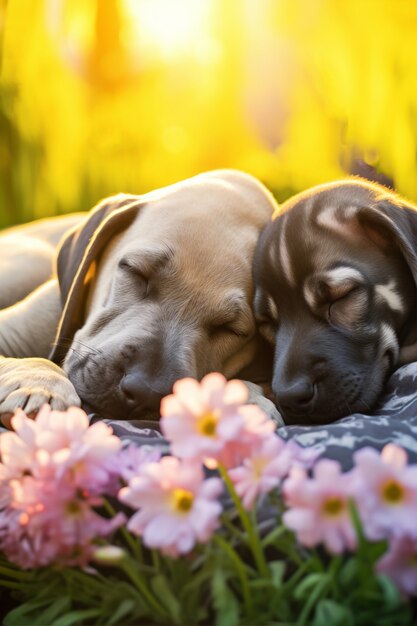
(393, 222)
(77, 257)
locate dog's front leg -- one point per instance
(27, 331)
(29, 383)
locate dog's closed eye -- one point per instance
(217, 330)
(141, 282)
(233, 318)
(348, 308)
(339, 294)
(332, 285)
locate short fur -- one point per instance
(336, 276)
(153, 288)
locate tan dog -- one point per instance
(154, 288)
(28, 254)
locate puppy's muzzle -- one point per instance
(137, 392)
(295, 399)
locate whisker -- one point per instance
(87, 347)
(80, 355)
(67, 343)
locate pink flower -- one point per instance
(53, 473)
(385, 491)
(58, 441)
(400, 564)
(132, 458)
(256, 426)
(51, 522)
(266, 463)
(199, 418)
(318, 507)
(177, 507)
(261, 471)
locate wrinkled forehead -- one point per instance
(191, 251)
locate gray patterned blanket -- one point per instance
(394, 420)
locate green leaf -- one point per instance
(277, 570)
(125, 607)
(75, 618)
(305, 587)
(164, 594)
(275, 534)
(58, 607)
(224, 600)
(330, 613)
(23, 614)
(390, 592)
(349, 572)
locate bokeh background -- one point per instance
(102, 96)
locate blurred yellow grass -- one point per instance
(101, 96)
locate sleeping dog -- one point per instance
(336, 274)
(150, 289)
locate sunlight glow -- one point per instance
(167, 28)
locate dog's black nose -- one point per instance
(296, 398)
(138, 394)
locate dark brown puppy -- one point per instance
(336, 275)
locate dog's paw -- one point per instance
(257, 396)
(29, 383)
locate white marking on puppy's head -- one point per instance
(390, 295)
(343, 274)
(284, 254)
(330, 219)
(389, 341)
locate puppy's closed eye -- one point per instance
(348, 308)
(219, 330)
(235, 320)
(141, 282)
(339, 295)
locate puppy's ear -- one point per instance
(77, 257)
(392, 223)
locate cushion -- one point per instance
(394, 420)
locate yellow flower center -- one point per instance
(258, 467)
(392, 492)
(182, 500)
(207, 424)
(333, 506)
(73, 508)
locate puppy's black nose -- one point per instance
(138, 395)
(296, 398)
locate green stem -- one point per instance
(12, 584)
(334, 571)
(131, 541)
(240, 568)
(19, 575)
(254, 541)
(293, 580)
(318, 563)
(362, 552)
(229, 525)
(156, 561)
(135, 577)
(274, 535)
